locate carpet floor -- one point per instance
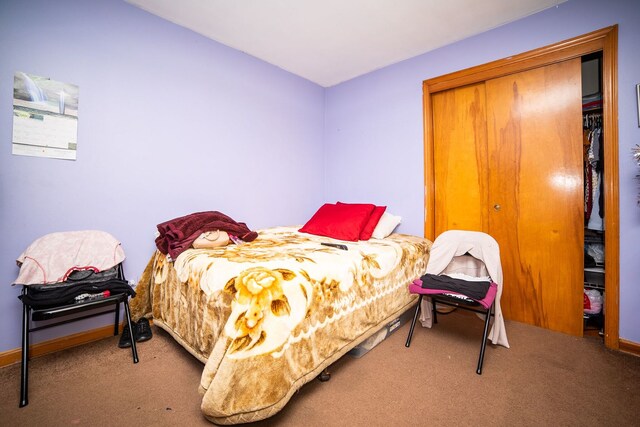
(544, 379)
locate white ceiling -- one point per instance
(331, 41)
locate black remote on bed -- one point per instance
(336, 245)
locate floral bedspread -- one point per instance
(268, 316)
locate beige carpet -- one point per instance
(545, 378)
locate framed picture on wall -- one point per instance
(45, 117)
(638, 102)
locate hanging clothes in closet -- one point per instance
(593, 170)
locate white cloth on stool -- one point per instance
(449, 254)
(51, 258)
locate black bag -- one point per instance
(79, 282)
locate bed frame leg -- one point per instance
(324, 375)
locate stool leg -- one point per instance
(134, 351)
(484, 341)
(413, 322)
(24, 367)
(435, 311)
(116, 323)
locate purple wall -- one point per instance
(373, 124)
(169, 123)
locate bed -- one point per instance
(268, 316)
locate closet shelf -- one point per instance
(594, 277)
(597, 286)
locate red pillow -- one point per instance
(374, 218)
(370, 225)
(339, 221)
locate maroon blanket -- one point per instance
(178, 234)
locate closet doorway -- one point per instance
(480, 174)
(594, 212)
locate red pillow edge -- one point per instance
(339, 221)
(374, 218)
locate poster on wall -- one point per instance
(45, 117)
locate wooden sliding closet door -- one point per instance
(460, 166)
(507, 160)
(534, 135)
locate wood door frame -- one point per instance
(604, 40)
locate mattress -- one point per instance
(268, 316)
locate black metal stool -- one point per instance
(39, 314)
(464, 303)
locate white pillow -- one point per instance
(386, 225)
